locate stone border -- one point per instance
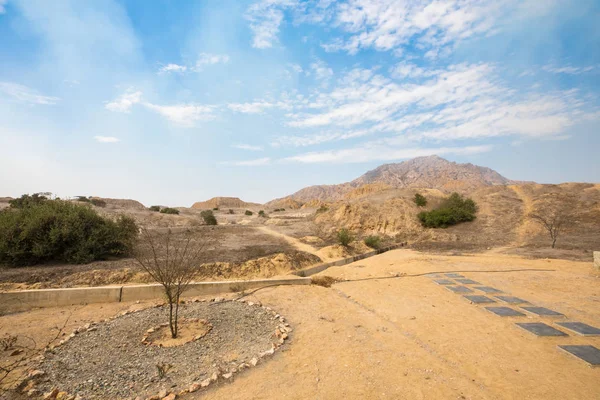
(345, 261)
(23, 300)
(281, 334)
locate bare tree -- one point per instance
(172, 262)
(555, 215)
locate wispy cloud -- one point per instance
(379, 152)
(107, 139)
(265, 17)
(185, 115)
(210, 59)
(249, 163)
(248, 147)
(124, 102)
(3, 6)
(172, 68)
(259, 106)
(25, 94)
(569, 70)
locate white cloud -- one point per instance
(3, 6)
(569, 70)
(258, 107)
(376, 151)
(25, 94)
(460, 102)
(248, 147)
(183, 114)
(265, 17)
(249, 163)
(322, 72)
(210, 59)
(107, 139)
(172, 68)
(124, 102)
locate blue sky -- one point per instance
(171, 102)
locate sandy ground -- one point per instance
(407, 337)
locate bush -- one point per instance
(373, 241)
(209, 217)
(261, 213)
(27, 200)
(169, 210)
(454, 210)
(57, 230)
(344, 237)
(154, 208)
(98, 202)
(231, 211)
(279, 209)
(420, 200)
(216, 209)
(248, 212)
(83, 199)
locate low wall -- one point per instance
(23, 300)
(344, 261)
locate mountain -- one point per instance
(431, 172)
(225, 202)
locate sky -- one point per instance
(175, 101)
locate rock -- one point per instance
(218, 299)
(194, 387)
(267, 353)
(254, 361)
(62, 396)
(205, 382)
(228, 375)
(214, 377)
(163, 393)
(92, 329)
(35, 373)
(151, 330)
(33, 392)
(250, 303)
(51, 395)
(172, 396)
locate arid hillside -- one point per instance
(502, 219)
(226, 202)
(431, 172)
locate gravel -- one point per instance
(111, 362)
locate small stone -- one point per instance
(163, 393)
(218, 299)
(33, 392)
(51, 395)
(254, 361)
(228, 375)
(87, 326)
(267, 353)
(92, 329)
(172, 396)
(250, 303)
(72, 335)
(194, 387)
(214, 377)
(205, 383)
(62, 396)
(151, 330)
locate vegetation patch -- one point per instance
(344, 237)
(420, 200)
(373, 241)
(169, 210)
(35, 230)
(154, 208)
(209, 217)
(454, 210)
(248, 212)
(325, 281)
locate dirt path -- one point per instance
(527, 208)
(291, 240)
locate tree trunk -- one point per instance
(553, 242)
(176, 316)
(171, 325)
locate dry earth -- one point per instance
(383, 336)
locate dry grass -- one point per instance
(325, 281)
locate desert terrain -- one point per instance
(378, 328)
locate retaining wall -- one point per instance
(24, 300)
(344, 261)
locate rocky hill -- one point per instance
(225, 202)
(422, 172)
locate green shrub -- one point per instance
(261, 213)
(454, 210)
(344, 237)
(248, 212)
(27, 200)
(98, 202)
(279, 209)
(169, 210)
(57, 230)
(231, 211)
(373, 241)
(420, 200)
(216, 209)
(83, 199)
(209, 217)
(154, 208)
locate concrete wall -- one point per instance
(24, 300)
(344, 261)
